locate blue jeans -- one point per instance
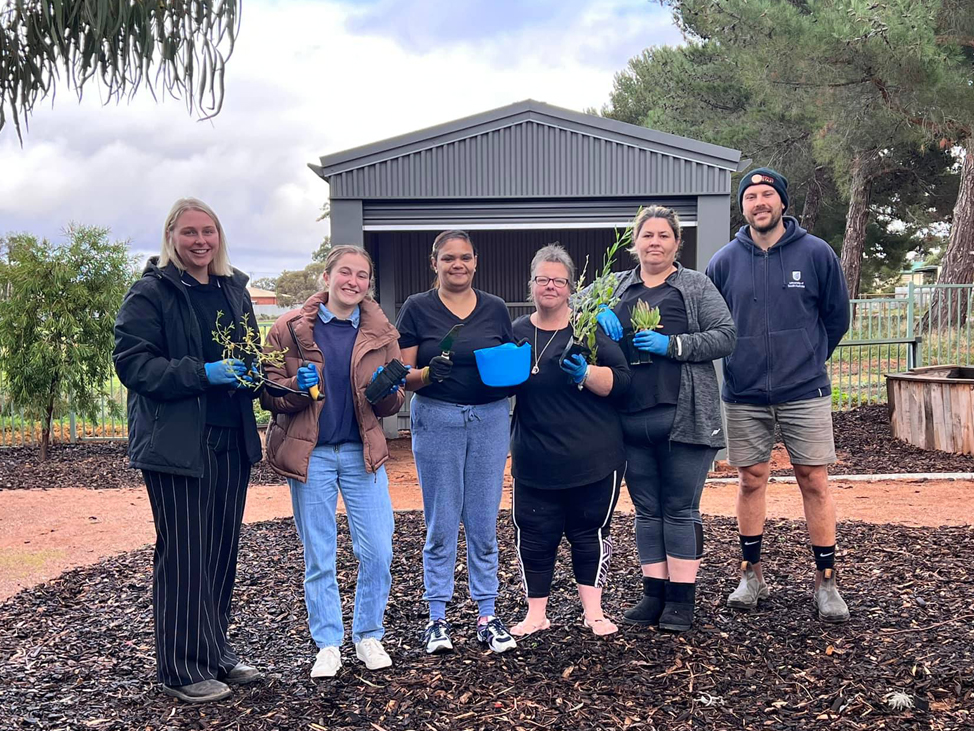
(460, 456)
(369, 510)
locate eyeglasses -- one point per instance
(559, 282)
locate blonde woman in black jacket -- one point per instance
(192, 433)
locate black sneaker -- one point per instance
(436, 637)
(494, 634)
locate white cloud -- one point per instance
(306, 79)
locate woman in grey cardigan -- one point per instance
(671, 415)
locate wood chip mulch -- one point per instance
(77, 653)
(863, 442)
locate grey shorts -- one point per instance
(806, 427)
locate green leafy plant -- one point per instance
(57, 319)
(601, 292)
(645, 317)
(248, 349)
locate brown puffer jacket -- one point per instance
(293, 432)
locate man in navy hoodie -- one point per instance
(786, 292)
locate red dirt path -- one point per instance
(43, 533)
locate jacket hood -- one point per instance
(793, 232)
(172, 272)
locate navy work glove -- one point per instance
(307, 376)
(226, 372)
(395, 387)
(576, 367)
(609, 322)
(652, 342)
(440, 368)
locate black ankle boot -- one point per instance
(650, 607)
(677, 613)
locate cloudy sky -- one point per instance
(306, 79)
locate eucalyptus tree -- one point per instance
(872, 67)
(178, 47)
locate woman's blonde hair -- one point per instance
(220, 265)
(337, 252)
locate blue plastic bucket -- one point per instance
(504, 365)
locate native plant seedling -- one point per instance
(248, 349)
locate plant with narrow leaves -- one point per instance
(600, 293)
(248, 349)
(57, 323)
(645, 317)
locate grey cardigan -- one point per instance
(711, 335)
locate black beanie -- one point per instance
(763, 176)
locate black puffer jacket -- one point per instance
(159, 358)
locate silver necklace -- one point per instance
(537, 358)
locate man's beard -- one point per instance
(772, 224)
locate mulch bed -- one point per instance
(865, 445)
(95, 465)
(863, 442)
(77, 653)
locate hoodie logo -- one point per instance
(796, 280)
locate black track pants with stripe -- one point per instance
(581, 514)
(195, 563)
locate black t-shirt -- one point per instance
(209, 299)
(657, 382)
(562, 437)
(424, 321)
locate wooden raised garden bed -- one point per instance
(933, 407)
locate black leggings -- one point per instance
(665, 480)
(581, 514)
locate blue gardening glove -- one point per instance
(651, 341)
(225, 372)
(307, 376)
(609, 323)
(395, 387)
(576, 367)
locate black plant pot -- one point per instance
(575, 348)
(633, 354)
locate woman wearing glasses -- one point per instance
(568, 458)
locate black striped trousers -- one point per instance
(195, 563)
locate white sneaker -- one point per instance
(373, 654)
(327, 663)
(436, 637)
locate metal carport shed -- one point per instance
(517, 178)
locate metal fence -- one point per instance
(887, 335)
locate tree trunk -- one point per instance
(854, 241)
(957, 265)
(813, 202)
(46, 431)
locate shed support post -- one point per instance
(346, 222)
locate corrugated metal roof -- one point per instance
(529, 150)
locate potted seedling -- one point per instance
(643, 318)
(588, 300)
(249, 350)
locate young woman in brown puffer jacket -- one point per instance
(336, 443)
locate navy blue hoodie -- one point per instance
(791, 307)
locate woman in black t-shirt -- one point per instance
(671, 415)
(461, 434)
(568, 458)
